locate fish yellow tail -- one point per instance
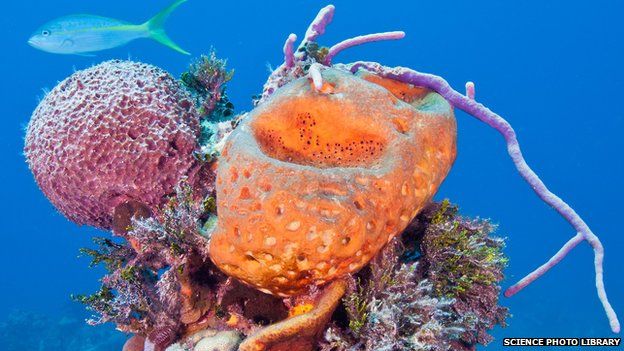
(155, 27)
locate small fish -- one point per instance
(85, 34)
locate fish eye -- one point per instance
(45, 32)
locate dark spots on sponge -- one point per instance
(313, 142)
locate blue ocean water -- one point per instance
(552, 68)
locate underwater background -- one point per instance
(552, 68)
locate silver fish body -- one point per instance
(79, 34)
(84, 34)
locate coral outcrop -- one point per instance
(116, 132)
(256, 231)
(435, 287)
(311, 185)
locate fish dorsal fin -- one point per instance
(155, 27)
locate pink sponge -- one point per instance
(115, 132)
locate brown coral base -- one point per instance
(298, 332)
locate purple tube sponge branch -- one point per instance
(482, 113)
(363, 39)
(470, 90)
(289, 54)
(297, 64)
(315, 75)
(317, 27)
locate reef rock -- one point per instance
(114, 133)
(223, 341)
(208, 340)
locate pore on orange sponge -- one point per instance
(312, 184)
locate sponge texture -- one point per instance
(119, 131)
(312, 185)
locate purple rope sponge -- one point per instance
(317, 27)
(479, 111)
(289, 55)
(362, 39)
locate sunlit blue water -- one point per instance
(553, 68)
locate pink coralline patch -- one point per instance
(116, 132)
(135, 343)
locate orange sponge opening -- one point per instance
(319, 132)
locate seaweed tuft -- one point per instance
(435, 288)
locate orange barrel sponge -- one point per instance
(312, 184)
